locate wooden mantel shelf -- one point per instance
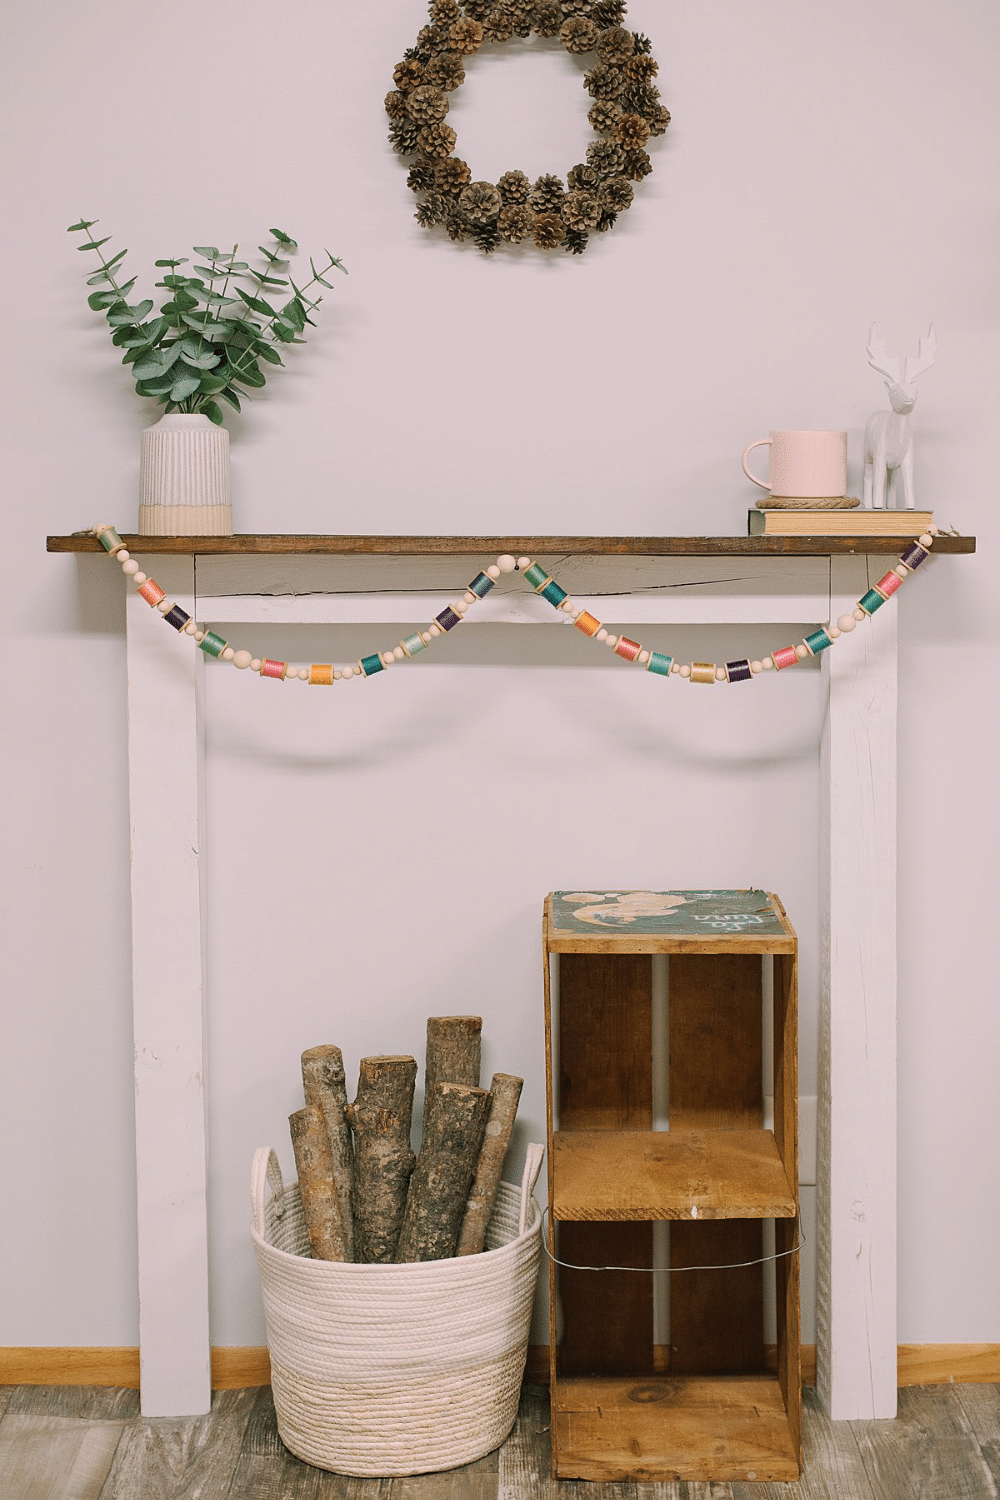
(247, 544)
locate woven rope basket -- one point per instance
(381, 1370)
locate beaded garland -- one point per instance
(324, 674)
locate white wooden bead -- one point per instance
(228, 654)
(131, 566)
(685, 671)
(926, 540)
(642, 658)
(721, 675)
(524, 562)
(901, 570)
(506, 563)
(434, 630)
(348, 672)
(165, 606)
(833, 631)
(242, 659)
(766, 663)
(756, 667)
(934, 530)
(675, 668)
(123, 554)
(199, 635)
(138, 578)
(802, 651)
(611, 640)
(459, 606)
(425, 636)
(469, 597)
(190, 628)
(601, 635)
(859, 613)
(386, 658)
(337, 674)
(398, 653)
(568, 606)
(493, 572)
(255, 664)
(846, 623)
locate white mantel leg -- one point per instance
(165, 796)
(856, 1270)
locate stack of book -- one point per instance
(858, 522)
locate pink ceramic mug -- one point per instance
(804, 465)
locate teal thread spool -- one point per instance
(481, 585)
(872, 601)
(109, 539)
(536, 576)
(372, 664)
(212, 645)
(553, 593)
(659, 663)
(818, 641)
(413, 644)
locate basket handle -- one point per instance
(265, 1172)
(532, 1167)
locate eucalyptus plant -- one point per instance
(216, 329)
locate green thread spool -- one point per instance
(372, 664)
(212, 645)
(109, 539)
(412, 644)
(553, 593)
(659, 663)
(872, 601)
(818, 641)
(536, 576)
(481, 585)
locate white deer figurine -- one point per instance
(888, 438)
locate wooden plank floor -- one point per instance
(90, 1443)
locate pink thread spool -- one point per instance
(151, 592)
(889, 584)
(271, 668)
(628, 649)
(786, 657)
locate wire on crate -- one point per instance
(736, 1265)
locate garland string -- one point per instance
(324, 674)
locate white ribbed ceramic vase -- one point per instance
(184, 478)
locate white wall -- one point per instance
(382, 854)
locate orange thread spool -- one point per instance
(321, 673)
(151, 592)
(587, 624)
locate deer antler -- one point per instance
(885, 364)
(925, 356)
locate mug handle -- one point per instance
(760, 443)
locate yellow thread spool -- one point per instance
(703, 671)
(321, 673)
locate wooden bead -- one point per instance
(802, 652)
(434, 630)
(347, 672)
(524, 563)
(766, 663)
(846, 623)
(901, 571)
(642, 658)
(601, 635)
(833, 631)
(685, 671)
(610, 640)
(859, 613)
(506, 563)
(131, 566)
(138, 577)
(425, 636)
(493, 571)
(720, 674)
(228, 654)
(165, 606)
(926, 540)
(459, 606)
(255, 664)
(191, 628)
(468, 598)
(242, 659)
(756, 666)
(398, 653)
(123, 554)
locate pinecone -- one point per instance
(603, 83)
(549, 231)
(577, 7)
(407, 74)
(466, 36)
(603, 116)
(486, 237)
(576, 241)
(437, 140)
(404, 134)
(514, 187)
(658, 119)
(457, 227)
(427, 105)
(432, 40)
(616, 194)
(578, 34)
(606, 221)
(547, 194)
(498, 24)
(480, 202)
(444, 12)
(631, 131)
(477, 9)
(606, 158)
(639, 99)
(451, 175)
(395, 104)
(434, 210)
(608, 13)
(583, 177)
(580, 210)
(547, 17)
(446, 71)
(520, 18)
(515, 222)
(615, 45)
(640, 69)
(636, 165)
(642, 43)
(422, 175)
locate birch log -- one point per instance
(383, 1160)
(324, 1084)
(505, 1091)
(454, 1045)
(439, 1189)
(320, 1202)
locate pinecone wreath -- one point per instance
(625, 112)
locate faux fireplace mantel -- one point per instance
(665, 580)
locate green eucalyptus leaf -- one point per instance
(181, 262)
(141, 310)
(215, 328)
(268, 352)
(282, 238)
(83, 224)
(98, 301)
(184, 385)
(157, 386)
(208, 251)
(206, 360)
(212, 411)
(211, 385)
(94, 244)
(257, 305)
(231, 396)
(249, 376)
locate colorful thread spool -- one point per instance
(447, 619)
(553, 593)
(413, 644)
(871, 601)
(787, 656)
(271, 668)
(703, 671)
(151, 592)
(889, 584)
(372, 664)
(739, 671)
(212, 645)
(914, 555)
(177, 617)
(321, 673)
(481, 585)
(627, 649)
(587, 623)
(659, 663)
(109, 539)
(817, 641)
(536, 575)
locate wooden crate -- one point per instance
(704, 1407)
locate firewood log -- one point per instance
(320, 1202)
(323, 1083)
(440, 1184)
(505, 1091)
(383, 1160)
(454, 1045)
